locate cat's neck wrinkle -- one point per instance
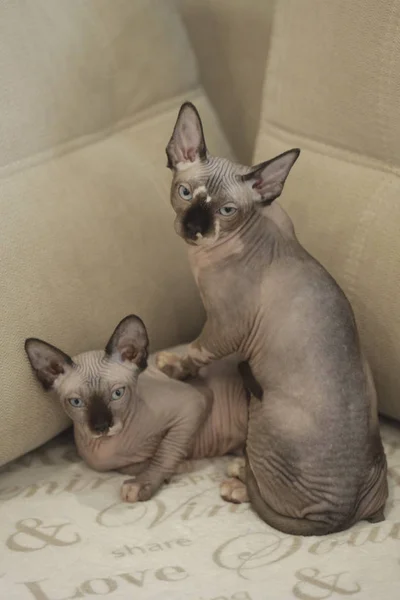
(258, 235)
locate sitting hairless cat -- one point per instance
(314, 459)
(134, 419)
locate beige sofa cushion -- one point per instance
(86, 227)
(332, 89)
(72, 69)
(231, 42)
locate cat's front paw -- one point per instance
(133, 490)
(172, 365)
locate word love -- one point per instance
(124, 583)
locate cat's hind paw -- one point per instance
(237, 468)
(233, 490)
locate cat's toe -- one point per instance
(133, 490)
(130, 491)
(169, 364)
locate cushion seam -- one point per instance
(85, 140)
(319, 146)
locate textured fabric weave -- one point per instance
(89, 96)
(332, 89)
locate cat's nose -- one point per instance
(193, 229)
(198, 219)
(101, 427)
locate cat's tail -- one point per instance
(289, 525)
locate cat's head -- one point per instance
(213, 196)
(96, 388)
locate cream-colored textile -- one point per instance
(89, 96)
(65, 534)
(332, 89)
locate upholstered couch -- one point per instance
(89, 92)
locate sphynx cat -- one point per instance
(314, 459)
(129, 417)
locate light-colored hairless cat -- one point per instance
(136, 420)
(314, 458)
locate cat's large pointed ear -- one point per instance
(48, 362)
(129, 342)
(187, 142)
(268, 178)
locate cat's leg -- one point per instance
(211, 345)
(173, 449)
(134, 468)
(186, 466)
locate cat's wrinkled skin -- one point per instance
(315, 462)
(137, 420)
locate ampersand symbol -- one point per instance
(314, 586)
(32, 535)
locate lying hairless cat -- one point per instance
(135, 419)
(314, 458)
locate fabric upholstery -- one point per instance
(88, 98)
(332, 89)
(70, 68)
(86, 226)
(67, 536)
(231, 42)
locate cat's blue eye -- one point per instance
(228, 210)
(185, 192)
(117, 394)
(76, 402)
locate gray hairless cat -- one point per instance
(135, 419)
(314, 458)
